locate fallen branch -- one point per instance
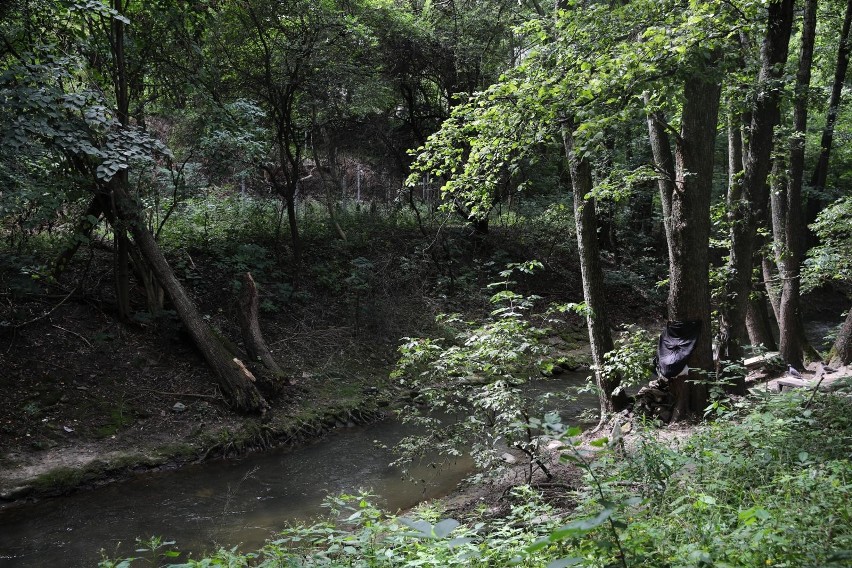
(42, 316)
(820, 375)
(83, 339)
(188, 394)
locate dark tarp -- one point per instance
(676, 343)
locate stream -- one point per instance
(232, 502)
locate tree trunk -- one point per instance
(772, 292)
(841, 352)
(729, 347)
(820, 175)
(661, 151)
(122, 99)
(597, 319)
(236, 382)
(295, 239)
(689, 290)
(330, 182)
(787, 225)
(746, 198)
(121, 269)
(252, 336)
(758, 324)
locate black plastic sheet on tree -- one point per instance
(676, 344)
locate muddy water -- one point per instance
(228, 503)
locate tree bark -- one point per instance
(841, 352)
(757, 316)
(594, 295)
(122, 99)
(787, 227)
(661, 151)
(253, 340)
(758, 324)
(121, 269)
(237, 383)
(773, 294)
(689, 290)
(820, 175)
(746, 197)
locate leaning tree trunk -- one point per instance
(841, 352)
(746, 197)
(234, 379)
(787, 226)
(597, 319)
(661, 150)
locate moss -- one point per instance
(59, 480)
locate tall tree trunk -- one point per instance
(235, 380)
(746, 196)
(820, 175)
(841, 352)
(597, 319)
(787, 225)
(757, 317)
(121, 259)
(295, 239)
(689, 287)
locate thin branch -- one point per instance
(83, 339)
(41, 317)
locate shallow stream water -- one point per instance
(230, 502)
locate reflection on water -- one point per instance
(227, 502)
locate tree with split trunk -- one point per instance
(689, 228)
(787, 222)
(747, 194)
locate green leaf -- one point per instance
(562, 562)
(445, 527)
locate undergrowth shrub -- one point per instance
(468, 384)
(768, 488)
